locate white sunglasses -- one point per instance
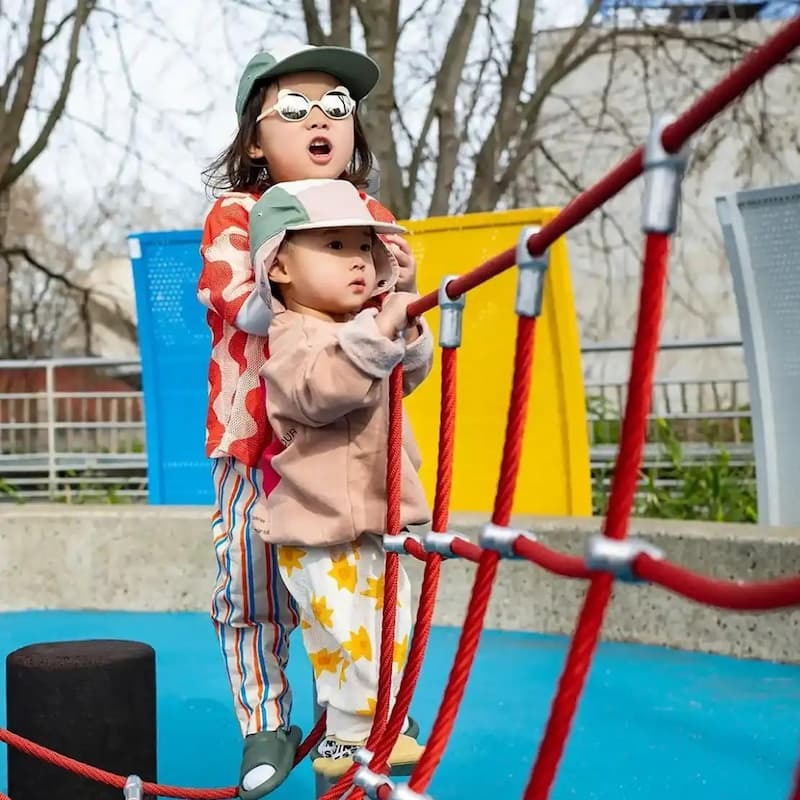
(295, 106)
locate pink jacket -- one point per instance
(328, 402)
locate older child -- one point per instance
(318, 262)
(297, 118)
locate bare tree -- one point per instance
(16, 93)
(43, 281)
(53, 301)
(17, 88)
(459, 108)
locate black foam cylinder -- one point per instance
(93, 700)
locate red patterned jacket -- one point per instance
(236, 423)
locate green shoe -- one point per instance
(412, 730)
(267, 760)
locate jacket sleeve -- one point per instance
(317, 376)
(227, 282)
(418, 359)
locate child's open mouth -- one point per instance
(320, 150)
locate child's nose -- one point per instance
(317, 119)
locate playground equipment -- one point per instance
(110, 686)
(175, 344)
(761, 231)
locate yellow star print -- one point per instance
(324, 661)
(343, 672)
(400, 652)
(375, 590)
(344, 573)
(289, 558)
(369, 711)
(304, 624)
(321, 612)
(359, 645)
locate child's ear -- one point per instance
(277, 272)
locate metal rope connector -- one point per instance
(617, 555)
(395, 542)
(371, 782)
(530, 279)
(363, 756)
(452, 311)
(133, 789)
(663, 173)
(501, 539)
(402, 791)
(441, 543)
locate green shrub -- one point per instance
(714, 489)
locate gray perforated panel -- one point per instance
(761, 229)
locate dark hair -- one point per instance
(233, 169)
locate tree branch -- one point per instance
(486, 193)
(82, 11)
(411, 17)
(314, 30)
(509, 115)
(25, 254)
(379, 19)
(5, 88)
(341, 23)
(443, 101)
(11, 121)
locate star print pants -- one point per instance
(339, 593)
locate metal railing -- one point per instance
(79, 444)
(703, 413)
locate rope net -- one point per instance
(610, 555)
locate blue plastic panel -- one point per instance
(175, 344)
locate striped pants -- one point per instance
(252, 611)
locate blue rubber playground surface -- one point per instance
(654, 723)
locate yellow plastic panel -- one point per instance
(554, 476)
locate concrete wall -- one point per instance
(160, 559)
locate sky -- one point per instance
(183, 60)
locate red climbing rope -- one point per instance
(108, 778)
(756, 596)
(558, 563)
(49, 756)
(391, 575)
(623, 489)
(430, 581)
(487, 566)
(733, 595)
(447, 441)
(392, 569)
(433, 562)
(430, 578)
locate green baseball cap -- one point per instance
(357, 72)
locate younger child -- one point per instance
(318, 262)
